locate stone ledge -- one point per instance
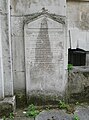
(7, 106)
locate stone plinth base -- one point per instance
(38, 97)
(7, 106)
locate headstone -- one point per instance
(45, 39)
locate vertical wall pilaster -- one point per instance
(1, 67)
(6, 81)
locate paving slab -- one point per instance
(82, 112)
(23, 118)
(54, 115)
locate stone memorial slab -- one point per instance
(44, 54)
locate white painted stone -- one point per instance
(44, 55)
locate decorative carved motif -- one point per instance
(32, 17)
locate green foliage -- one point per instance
(76, 117)
(4, 118)
(63, 105)
(77, 103)
(31, 111)
(70, 67)
(11, 116)
(48, 108)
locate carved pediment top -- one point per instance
(35, 16)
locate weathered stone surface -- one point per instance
(19, 80)
(21, 7)
(23, 118)
(82, 112)
(54, 115)
(44, 57)
(21, 99)
(7, 106)
(78, 18)
(18, 53)
(1, 67)
(19, 10)
(6, 56)
(78, 85)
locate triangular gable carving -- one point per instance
(35, 16)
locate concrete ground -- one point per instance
(82, 112)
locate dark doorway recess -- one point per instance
(76, 57)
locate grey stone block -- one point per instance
(7, 106)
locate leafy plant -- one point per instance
(4, 118)
(11, 116)
(76, 117)
(48, 108)
(31, 111)
(77, 103)
(70, 67)
(63, 105)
